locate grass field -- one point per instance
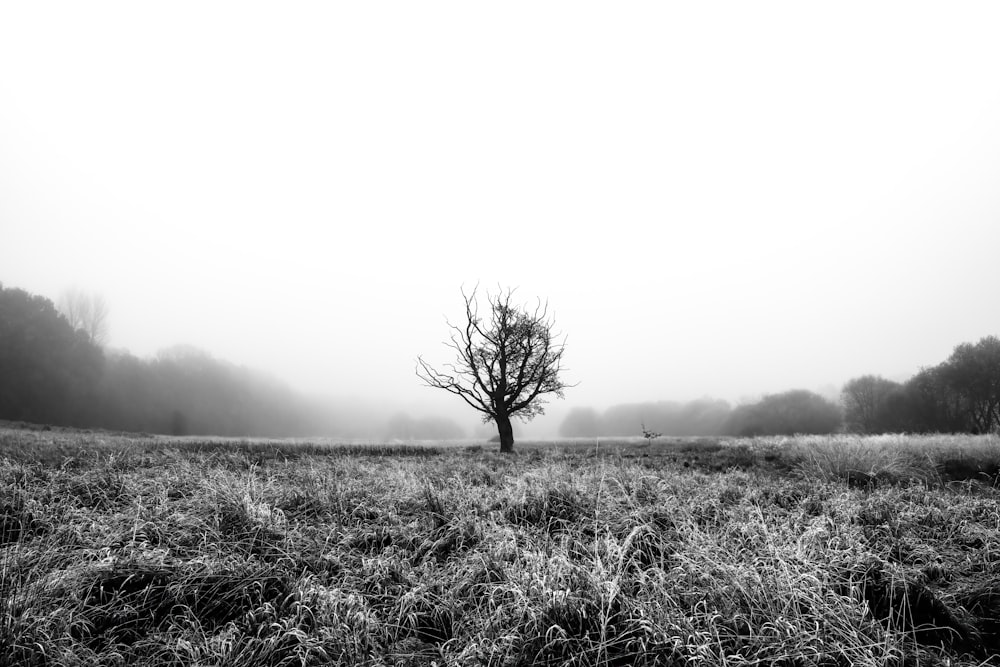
(118, 549)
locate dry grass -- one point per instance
(124, 550)
(870, 460)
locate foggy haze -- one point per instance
(715, 200)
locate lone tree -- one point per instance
(505, 364)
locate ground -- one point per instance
(126, 549)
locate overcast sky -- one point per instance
(723, 199)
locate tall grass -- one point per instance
(865, 460)
(139, 551)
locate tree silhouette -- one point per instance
(865, 399)
(504, 365)
(87, 313)
(973, 372)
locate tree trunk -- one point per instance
(506, 434)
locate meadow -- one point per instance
(124, 549)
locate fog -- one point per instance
(722, 200)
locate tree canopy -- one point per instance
(961, 394)
(47, 369)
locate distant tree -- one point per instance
(788, 413)
(973, 373)
(505, 364)
(87, 313)
(929, 404)
(865, 402)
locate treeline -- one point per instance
(185, 391)
(788, 413)
(49, 372)
(701, 417)
(52, 373)
(961, 394)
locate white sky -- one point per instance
(716, 198)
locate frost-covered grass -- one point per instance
(124, 550)
(867, 460)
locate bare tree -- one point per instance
(87, 313)
(864, 400)
(504, 365)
